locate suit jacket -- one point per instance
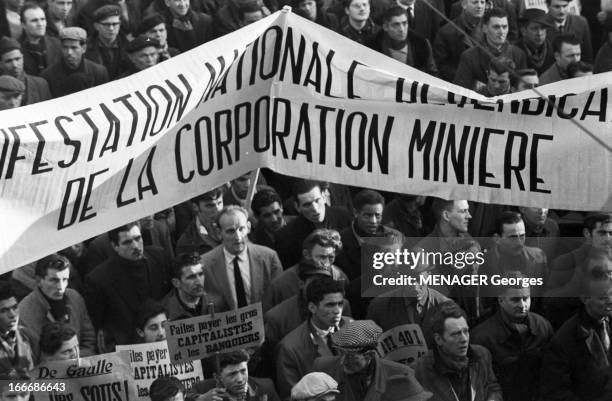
(450, 43)
(382, 371)
(37, 90)
(577, 25)
(264, 266)
(296, 354)
(35, 312)
(111, 298)
(52, 54)
(201, 33)
(258, 388)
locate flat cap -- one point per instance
(73, 33)
(109, 10)
(312, 385)
(8, 44)
(357, 335)
(149, 22)
(404, 388)
(535, 15)
(11, 84)
(140, 43)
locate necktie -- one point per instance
(604, 335)
(240, 294)
(410, 18)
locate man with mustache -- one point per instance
(116, 289)
(188, 298)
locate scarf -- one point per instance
(58, 308)
(536, 57)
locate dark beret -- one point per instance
(109, 10)
(8, 44)
(140, 43)
(149, 22)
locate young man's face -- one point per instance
(527, 82)
(459, 216)
(309, 9)
(496, 30)
(359, 10)
(271, 217)
(191, 281)
(369, 218)
(153, 330)
(73, 51)
(68, 350)
(34, 22)
(235, 378)
(456, 337)
(535, 216)
(12, 63)
(129, 244)
(397, 27)
(534, 33)
(209, 209)
(559, 10)
(328, 312)
(498, 84)
(512, 238)
(568, 53)
(311, 205)
(9, 315)
(60, 8)
(178, 8)
(55, 282)
(159, 33)
(474, 8)
(601, 237)
(108, 28)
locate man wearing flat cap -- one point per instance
(58, 75)
(11, 63)
(534, 25)
(315, 386)
(154, 27)
(11, 92)
(143, 52)
(360, 372)
(297, 352)
(106, 46)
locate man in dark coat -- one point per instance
(116, 289)
(73, 72)
(107, 45)
(398, 41)
(12, 63)
(533, 41)
(474, 62)
(577, 364)
(39, 49)
(314, 213)
(186, 28)
(564, 22)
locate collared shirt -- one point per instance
(323, 333)
(245, 272)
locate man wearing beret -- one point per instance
(36, 89)
(11, 92)
(59, 75)
(360, 372)
(39, 49)
(187, 28)
(106, 46)
(154, 27)
(143, 52)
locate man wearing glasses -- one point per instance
(107, 46)
(358, 369)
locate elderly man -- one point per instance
(73, 72)
(11, 92)
(12, 63)
(358, 369)
(142, 52)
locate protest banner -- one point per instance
(292, 96)
(404, 344)
(203, 336)
(99, 377)
(152, 360)
(541, 4)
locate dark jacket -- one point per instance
(563, 267)
(575, 366)
(113, 297)
(175, 310)
(289, 239)
(296, 354)
(37, 90)
(365, 36)
(259, 389)
(35, 312)
(383, 369)
(184, 40)
(516, 360)
(603, 60)
(23, 358)
(482, 379)
(420, 54)
(62, 82)
(474, 63)
(38, 57)
(192, 241)
(114, 58)
(450, 43)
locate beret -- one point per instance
(109, 10)
(150, 21)
(11, 84)
(8, 44)
(140, 43)
(73, 33)
(357, 335)
(312, 385)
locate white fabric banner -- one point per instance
(288, 94)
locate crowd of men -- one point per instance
(52, 48)
(300, 248)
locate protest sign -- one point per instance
(204, 336)
(99, 377)
(152, 360)
(292, 96)
(404, 344)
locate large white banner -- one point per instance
(288, 94)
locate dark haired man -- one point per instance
(566, 49)
(201, 235)
(268, 209)
(149, 322)
(15, 343)
(167, 388)
(53, 301)
(563, 22)
(58, 342)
